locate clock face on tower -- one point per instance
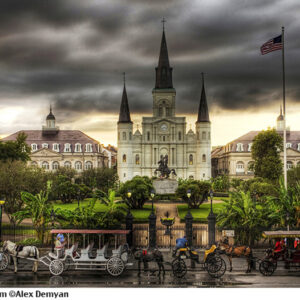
(164, 127)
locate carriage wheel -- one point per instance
(115, 266)
(216, 266)
(267, 268)
(179, 268)
(3, 261)
(56, 267)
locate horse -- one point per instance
(236, 251)
(146, 256)
(18, 251)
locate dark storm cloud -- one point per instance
(72, 52)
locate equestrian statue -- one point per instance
(163, 168)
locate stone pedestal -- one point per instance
(165, 186)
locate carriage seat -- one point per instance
(117, 252)
(211, 250)
(102, 253)
(71, 250)
(86, 253)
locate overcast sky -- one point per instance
(71, 53)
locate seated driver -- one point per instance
(180, 243)
(58, 247)
(279, 247)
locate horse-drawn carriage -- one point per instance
(212, 262)
(87, 258)
(289, 254)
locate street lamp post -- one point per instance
(152, 195)
(152, 224)
(52, 225)
(129, 223)
(2, 202)
(189, 194)
(287, 221)
(211, 222)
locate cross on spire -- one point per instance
(163, 21)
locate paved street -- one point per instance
(194, 278)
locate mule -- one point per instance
(146, 256)
(232, 251)
(17, 251)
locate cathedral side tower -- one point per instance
(125, 158)
(203, 138)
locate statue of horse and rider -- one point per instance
(163, 167)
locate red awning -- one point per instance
(89, 231)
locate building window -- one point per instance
(78, 165)
(124, 136)
(148, 135)
(124, 158)
(88, 148)
(160, 111)
(249, 147)
(45, 146)
(88, 165)
(198, 135)
(203, 135)
(67, 164)
(239, 147)
(55, 147)
(288, 145)
(164, 138)
(45, 165)
(34, 147)
(209, 135)
(77, 147)
(137, 159)
(67, 148)
(34, 164)
(130, 135)
(55, 165)
(299, 147)
(191, 177)
(289, 165)
(203, 158)
(168, 111)
(240, 167)
(124, 175)
(179, 135)
(298, 163)
(191, 159)
(203, 175)
(250, 167)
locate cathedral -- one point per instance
(164, 133)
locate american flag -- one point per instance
(271, 45)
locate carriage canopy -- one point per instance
(281, 234)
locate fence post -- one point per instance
(189, 232)
(129, 226)
(152, 230)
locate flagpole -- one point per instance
(284, 112)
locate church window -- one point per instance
(137, 159)
(124, 175)
(55, 147)
(88, 165)
(209, 135)
(288, 145)
(130, 135)
(67, 148)
(124, 135)
(203, 175)
(203, 158)
(249, 147)
(198, 135)
(88, 148)
(173, 156)
(167, 111)
(148, 135)
(34, 164)
(164, 138)
(160, 111)
(289, 165)
(239, 147)
(67, 165)
(55, 165)
(173, 133)
(191, 177)
(124, 158)
(240, 167)
(191, 159)
(179, 135)
(203, 135)
(45, 165)
(34, 147)
(45, 146)
(77, 147)
(78, 165)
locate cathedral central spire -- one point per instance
(203, 115)
(124, 116)
(163, 70)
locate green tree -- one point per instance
(293, 176)
(265, 151)
(199, 192)
(140, 188)
(38, 209)
(221, 183)
(15, 150)
(245, 216)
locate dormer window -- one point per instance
(77, 147)
(288, 145)
(298, 147)
(45, 146)
(249, 147)
(67, 147)
(56, 147)
(88, 148)
(34, 147)
(239, 147)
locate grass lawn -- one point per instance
(139, 215)
(199, 214)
